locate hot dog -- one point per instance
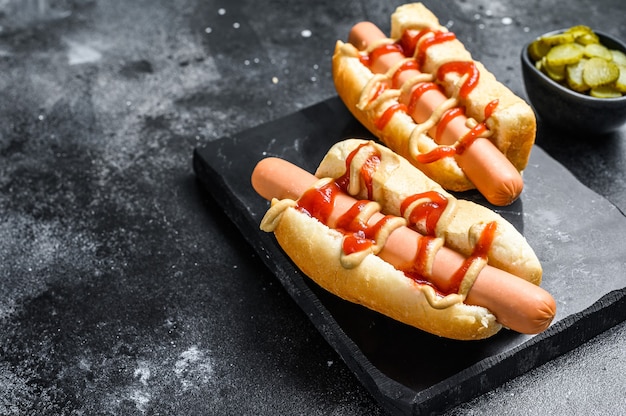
(374, 259)
(435, 103)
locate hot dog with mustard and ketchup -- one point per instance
(421, 93)
(410, 269)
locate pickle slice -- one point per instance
(579, 30)
(598, 71)
(620, 82)
(565, 54)
(605, 91)
(538, 49)
(599, 51)
(556, 72)
(574, 76)
(619, 57)
(558, 38)
(588, 39)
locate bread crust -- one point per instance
(512, 123)
(395, 179)
(374, 283)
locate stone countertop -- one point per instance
(125, 290)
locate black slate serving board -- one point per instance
(409, 372)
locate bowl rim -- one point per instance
(577, 95)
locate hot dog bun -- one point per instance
(462, 221)
(373, 283)
(512, 123)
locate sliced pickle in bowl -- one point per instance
(565, 54)
(620, 82)
(619, 57)
(598, 71)
(558, 39)
(595, 50)
(576, 59)
(605, 91)
(556, 72)
(538, 49)
(574, 76)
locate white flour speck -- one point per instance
(141, 399)
(507, 20)
(306, 33)
(221, 12)
(143, 373)
(81, 54)
(193, 368)
(84, 364)
(274, 80)
(236, 25)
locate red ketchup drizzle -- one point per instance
(427, 212)
(367, 171)
(380, 88)
(367, 59)
(388, 113)
(418, 91)
(358, 235)
(318, 202)
(409, 40)
(437, 153)
(467, 140)
(481, 249)
(446, 118)
(407, 65)
(464, 143)
(490, 108)
(417, 268)
(439, 37)
(462, 68)
(477, 130)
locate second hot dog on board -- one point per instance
(421, 93)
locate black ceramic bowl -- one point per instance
(569, 110)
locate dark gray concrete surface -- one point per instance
(124, 290)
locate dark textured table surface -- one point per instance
(125, 290)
